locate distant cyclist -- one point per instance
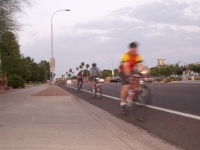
(130, 60)
(94, 72)
(79, 78)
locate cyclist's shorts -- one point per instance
(80, 80)
(124, 78)
(91, 78)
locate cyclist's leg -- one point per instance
(77, 83)
(123, 93)
(81, 80)
(92, 83)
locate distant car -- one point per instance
(115, 80)
(101, 80)
(69, 82)
(148, 79)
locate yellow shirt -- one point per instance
(132, 59)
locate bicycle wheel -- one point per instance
(142, 100)
(80, 88)
(99, 92)
(94, 93)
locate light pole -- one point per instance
(52, 74)
(112, 65)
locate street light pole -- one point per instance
(112, 65)
(52, 74)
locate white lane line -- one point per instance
(102, 94)
(175, 112)
(154, 107)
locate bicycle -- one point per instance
(97, 88)
(80, 83)
(139, 96)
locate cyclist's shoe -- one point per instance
(123, 107)
(130, 103)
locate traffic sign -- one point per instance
(52, 64)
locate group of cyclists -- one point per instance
(130, 63)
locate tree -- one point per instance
(42, 71)
(85, 72)
(83, 64)
(81, 67)
(106, 73)
(47, 68)
(77, 69)
(87, 66)
(8, 11)
(8, 22)
(70, 70)
(70, 73)
(194, 67)
(12, 62)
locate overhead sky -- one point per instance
(95, 29)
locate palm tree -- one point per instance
(83, 64)
(77, 69)
(87, 66)
(70, 72)
(81, 67)
(66, 74)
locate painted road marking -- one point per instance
(153, 107)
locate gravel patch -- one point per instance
(52, 91)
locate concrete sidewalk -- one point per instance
(66, 123)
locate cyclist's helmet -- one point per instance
(133, 45)
(80, 72)
(94, 64)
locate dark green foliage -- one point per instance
(175, 69)
(15, 81)
(106, 73)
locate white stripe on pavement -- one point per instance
(175, 112)
(154, 107)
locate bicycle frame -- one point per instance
(97, 88)
(80, 82)
(138, 98)
(135, 83)
(96, 84)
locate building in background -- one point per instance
(161, 62)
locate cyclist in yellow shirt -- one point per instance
(130, 60)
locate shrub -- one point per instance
(158, 79)
(15, 81)
(197, 78)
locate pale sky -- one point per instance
(94, 29)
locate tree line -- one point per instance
(174, 69)
(13, 65)
(84, 68)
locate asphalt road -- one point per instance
(178, 130)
